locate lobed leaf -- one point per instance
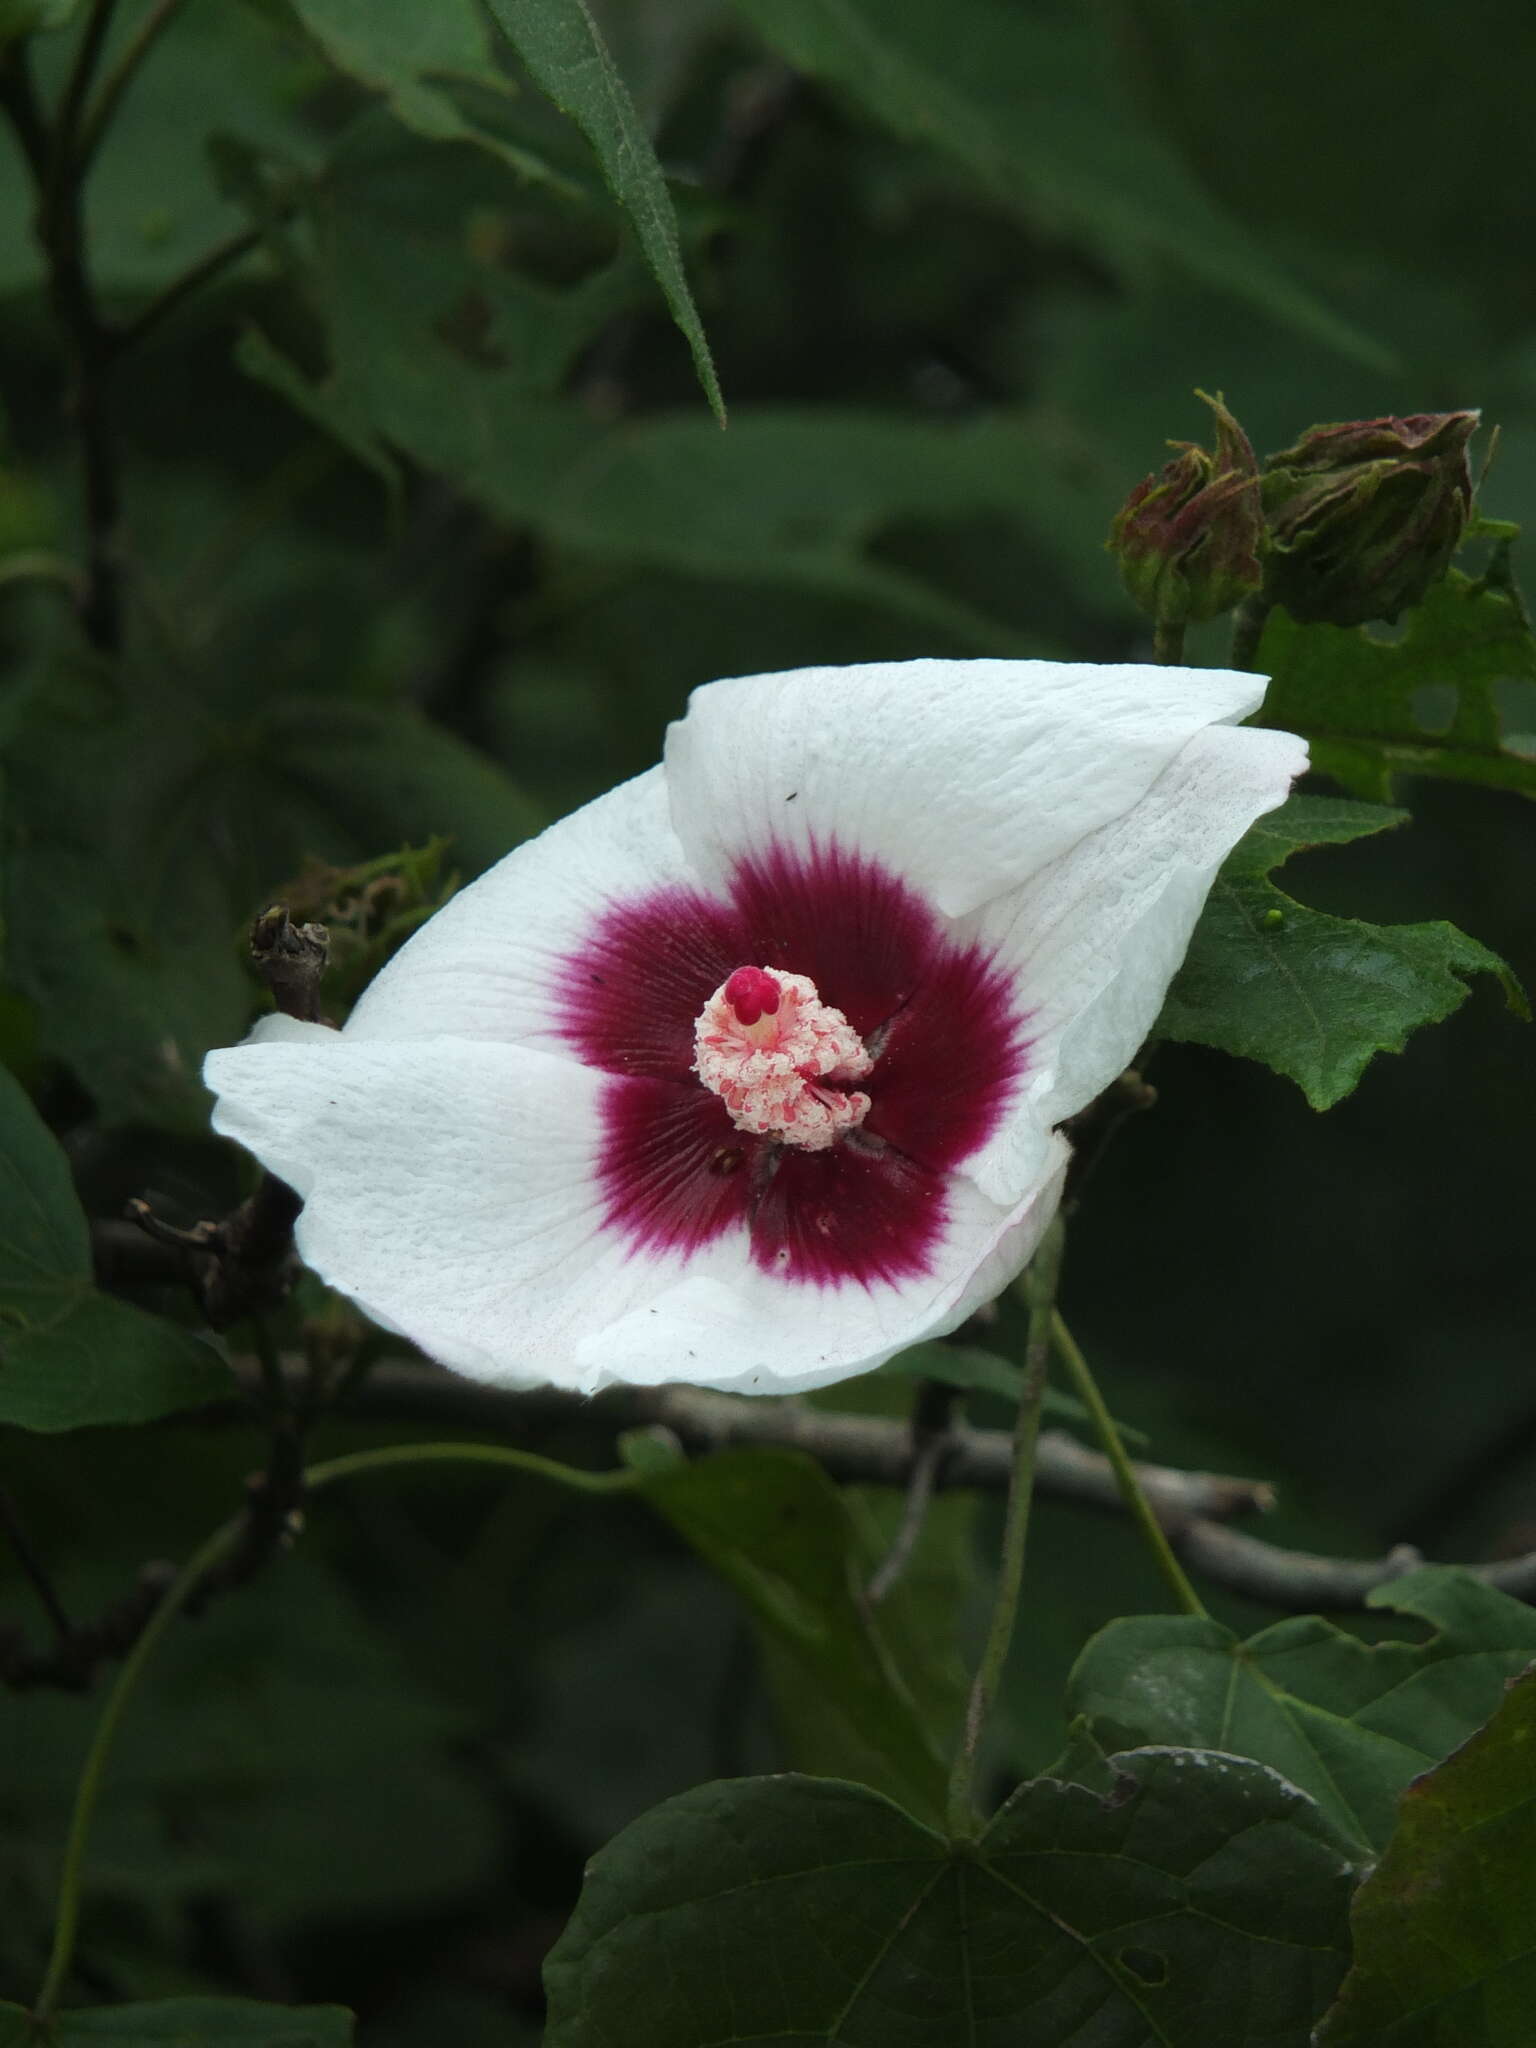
(1188, 1900)
(1351, 1723)
(1454, 697)
(70, 1356)
(1444, 1953)
(1312, 996)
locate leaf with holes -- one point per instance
(1443, 1949)
(1186, 1894)
(1455, 696)
(1349, 1722)
(1313, 996)
(70, 1356)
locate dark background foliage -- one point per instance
(428, 531)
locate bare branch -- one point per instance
(854, 1448)
(1193, 1507)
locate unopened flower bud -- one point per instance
(1364, 517)
(1187, 540)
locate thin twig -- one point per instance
(72, 101)
(60, 231)
(18, 99)
(191, 280)
(119, 78)
(32, 1565)
(931, 1415)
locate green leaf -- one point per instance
(186, 2023)
(1349, 1722)
(1313, 996)
(973, 1370)
(789, 496)
(1028, 100)
(425, 60)
(26, 17)
(1443, 1949)
(568, 60)
(70, 1356)
(411, 268)
(1454, 696)
(126, 897)
(777, 1530)
(804, 1911)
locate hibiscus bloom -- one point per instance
(749, 1074)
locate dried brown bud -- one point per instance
(1188, 539)
(1363, 517)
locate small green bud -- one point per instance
(1187, 540)
(1364, 517)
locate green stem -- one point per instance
(1040, 1281)
(67, 1919)
(1167, 644)
(191, 280)
(197, 1568)
(1131, 1493)
(1248, 630)
(391, 1455)
(72, 102)
(118, 79)
(273, 1385)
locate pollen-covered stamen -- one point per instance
(780, 1058)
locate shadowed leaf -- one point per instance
(1349, 1722)
(1443, 1945)
(1313, 996)
(1193, 1893)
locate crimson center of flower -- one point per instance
(781, 1059)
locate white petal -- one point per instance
(724, 1323)
(485, 965)
(964, 777)
(450, 1189)
(1096, 938)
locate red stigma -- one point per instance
(752, 993)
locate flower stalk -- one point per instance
(1140, 1508)
(1040, 1282)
